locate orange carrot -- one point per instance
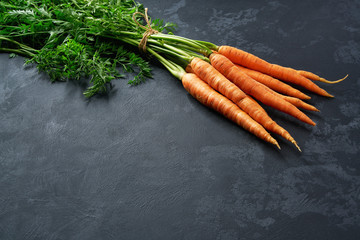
(287, 74)
(298, 103)
(279, 86)
(254, 88)
(274, 83)
(217, 81)
(210, 98)
(315, 77)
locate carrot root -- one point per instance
(297, 146)
(315, 77)
(332, 82)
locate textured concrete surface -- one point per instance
(149, 162)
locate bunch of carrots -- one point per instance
(230, 80)
(224, 78)
(233, 79)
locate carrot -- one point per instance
(287, 74)
(274, 83)
(298, 103)
(315, 77)
(212, 99)
(217, 81)
(279, 86)
(254, 88)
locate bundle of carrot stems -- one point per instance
(224, 78)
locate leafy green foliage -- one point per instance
(77, 39)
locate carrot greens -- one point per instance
(77, 39)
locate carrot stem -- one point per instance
(173, 38)
(173, 68)
(23, 50)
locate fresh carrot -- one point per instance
(217, 81)
(287, 74)
(315, 77)
(292, 94)
(274, 83)
(298, 103)
(212, 99)
(254, 88)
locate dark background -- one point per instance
(150, 162)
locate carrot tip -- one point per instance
(310, 122)
(297, 146)
(326, 94)
(312, 108)
(332, 82)
(277, 144)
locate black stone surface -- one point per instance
(150, 162)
